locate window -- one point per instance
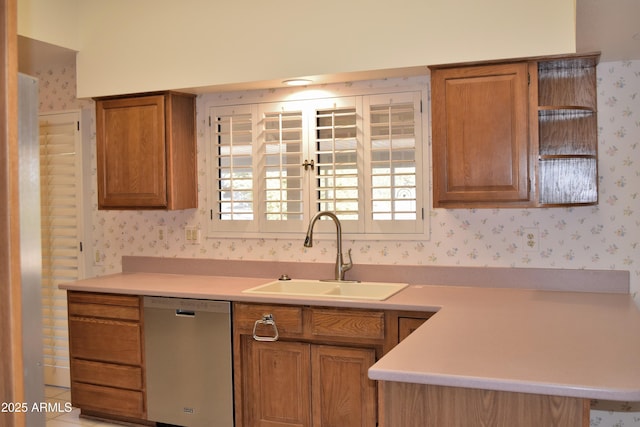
(276, 164)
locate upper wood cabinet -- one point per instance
(146, 151)
(516, 133)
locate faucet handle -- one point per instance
(349, 264)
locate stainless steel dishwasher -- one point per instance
(188, 362)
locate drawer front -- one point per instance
(110, 306)
(105, 340)
(107, 374)
(107, 299)
(104, 311)
(347, 323)
(288, 319)
(128, 403)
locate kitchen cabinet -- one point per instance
(315, 374)
(515, 133)
(146, 151)
(106, 355)
(313, 371)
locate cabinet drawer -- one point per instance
(288, 319)
(128, 403)
(347, 323)
(105, 340)
(106, 374)
(110, 306)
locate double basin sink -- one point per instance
(376, 291)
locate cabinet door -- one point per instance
(480, 135)
(131, 152)
(277, 383)
(342, 393)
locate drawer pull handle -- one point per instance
(267, 319)
(185, 313)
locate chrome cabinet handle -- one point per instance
(267, 319)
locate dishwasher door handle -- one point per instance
(267, 320)
(185, 313)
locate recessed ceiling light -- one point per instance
(297, 82)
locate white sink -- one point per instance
(318, 288)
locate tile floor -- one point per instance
(67, 419)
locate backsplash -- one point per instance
(606, 236)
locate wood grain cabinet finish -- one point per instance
(315, 374)
(515, 133)
(423, 405)
(146, 151)
(106, 354)
(480, 134)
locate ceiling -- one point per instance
(609, 26)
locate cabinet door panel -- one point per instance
(278, 382)
(131, 152)
(480, 134)
(342, 394)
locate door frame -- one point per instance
(11, 365)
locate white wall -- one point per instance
(54, 22)
(143, 45)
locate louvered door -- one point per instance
(61, 202)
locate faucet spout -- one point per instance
(341, 266)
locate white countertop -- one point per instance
(577, 344)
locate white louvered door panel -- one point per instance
(61, 193)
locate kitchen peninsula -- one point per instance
(532, 340)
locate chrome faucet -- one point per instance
(341, 267)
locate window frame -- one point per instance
(362, 229)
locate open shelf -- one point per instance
(568, 131)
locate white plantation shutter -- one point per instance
(337, 162)
(233, 134)
(394, 160)
(281, 168)
(338, 172)
(276, 164)
(60, 166)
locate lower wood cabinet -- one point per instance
(300, 384)
(106, 355)
(303, 366)
(312, 372)
(315, 374)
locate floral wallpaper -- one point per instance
(606, 236)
